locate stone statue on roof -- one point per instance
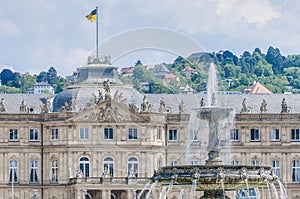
(244, 106)
(202, 102)
(181, 107)
(23, 107)
(45, 108)
(2, 105)
(283, 106)
(162, 105)
(145, 104)
(106, 86)
(72, 105)
(263, 107)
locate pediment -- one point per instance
(109, 111)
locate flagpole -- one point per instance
(97, 32)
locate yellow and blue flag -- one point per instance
(92, 16)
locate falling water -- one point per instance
(181, 194)
(151, 189)
(168, 191)
(212, 85)
(257, 192)
(269, 192)
(248, 190)
(283, 194)
(193, 190)
(274, 191)
(143, 190)
(163, 192)
(223, 188)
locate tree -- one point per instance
(42, 77)
(52, 76)
(6, 75)
(60, 85)
(26, 81)
(275, 58)
(138, 62)
(140, 74)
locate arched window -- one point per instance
(13, 171)
(255, 162)
(133, 166)
(108, 165)
(33, 171)
(276, 167)
(235, 162)
(54, 170)
(296, 171)
(84, 166)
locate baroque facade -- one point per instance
(105, 140)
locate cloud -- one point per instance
(8, 27)
(258, 12)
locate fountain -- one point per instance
(214, 178)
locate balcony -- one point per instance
(110, 181)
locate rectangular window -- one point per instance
(276, 167)
(84, 134)
(159, 134)
(173, 163)
(235, 162)
(172, 135)
(33, 171)
(54, 170)
(275, 135)
(108, 133)
(255, 162)
(33, 135)
(254, 135)
(13, 171)
(13, 134)
(295, 135)
(54, 134)
(193, 162)
(234, 135)
(132, 134)
(193, 135)
(296, 171)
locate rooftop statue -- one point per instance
(202, 102)
(244, 108)
(263, 107)
(283, 106)
(45, 108)
(145, 106)
(162, 105)
(2, 105)
(181, 107)
(23, 107)
(106, 85)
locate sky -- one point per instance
(38, 34)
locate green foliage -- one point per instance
(52, 76)
(42, 77)
(26, 81)
(8, 89)
(59, 86)
(160, 88)
(141, 74)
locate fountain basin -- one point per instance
(215, 177)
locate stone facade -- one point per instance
(72, 150)
(105, 141)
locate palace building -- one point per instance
(100, 138)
